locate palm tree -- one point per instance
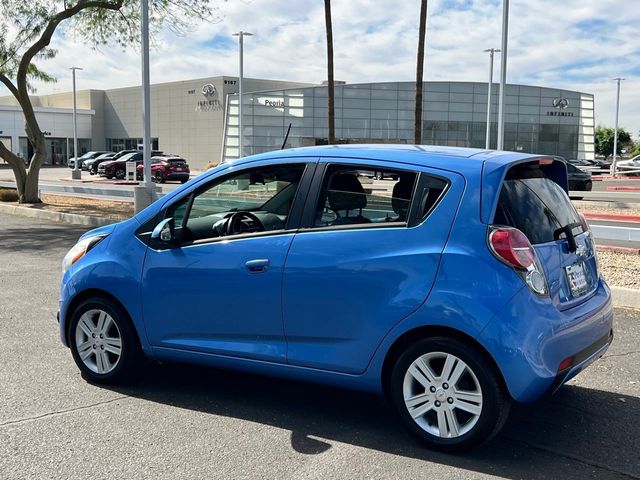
(417, 120)
(330, 89)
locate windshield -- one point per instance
(87, 155)
(127, 156)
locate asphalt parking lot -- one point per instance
(188, 422)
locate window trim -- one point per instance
(307, 223)
(291, 226)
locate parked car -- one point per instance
(579, 179)
(600, 163)
(89, 164)
(87, 156)
(166, 168)
(631, 164)
(94, 166)
(118, 168)
(579, 163)
(470, 284)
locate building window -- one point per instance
(119, 144)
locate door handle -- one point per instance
(258, 265)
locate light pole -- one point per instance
(503, 73)
(75, 173)
(615, 130)
(240, 36)
(143, 195)
(488, 134)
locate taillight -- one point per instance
(584, 223)
(512, 247)
(587, 228)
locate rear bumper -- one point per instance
(530, 338)
(581, 360)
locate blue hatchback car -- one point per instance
(461, 281)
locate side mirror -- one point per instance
(164, 231)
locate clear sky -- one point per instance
(572, 44)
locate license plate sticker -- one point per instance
(577, 279)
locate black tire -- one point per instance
(495, 405)
(120, 173)
(159, 177)
(130, 359)
(184, 180)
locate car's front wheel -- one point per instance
(447, 394)
(102, 341)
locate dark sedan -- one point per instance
(579, 180)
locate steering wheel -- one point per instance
(234, 222)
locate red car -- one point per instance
(165, 168)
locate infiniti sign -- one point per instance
(560, 103)
(209, 90)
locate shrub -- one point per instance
(8, 195)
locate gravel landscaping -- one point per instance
(620, 268)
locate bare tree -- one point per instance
(330, 81)
(32, 25)
(417, 119)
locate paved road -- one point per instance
(188, 422)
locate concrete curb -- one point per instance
(616, 248)
(625, 297)
(59, 217)
(626, 189)
(618, 217)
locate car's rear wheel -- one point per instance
(102, 341)
(159, 177)
(447, 394)
(120, 173)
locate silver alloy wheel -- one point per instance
(442, 394)
(98, 341)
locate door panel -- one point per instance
(345, 289)
(206, 298)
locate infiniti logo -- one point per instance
(560, 103)
(208, 90)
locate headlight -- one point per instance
(79, 250)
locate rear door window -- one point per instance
(355, 195)
(538, 207)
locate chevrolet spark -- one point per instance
(462, 281)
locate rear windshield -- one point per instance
(176, 162)
(538, 207)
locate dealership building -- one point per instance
(198, 119)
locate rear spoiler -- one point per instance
(494, 173)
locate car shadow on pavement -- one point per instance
(576, 432)
(40, 237)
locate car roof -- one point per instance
(463, 160)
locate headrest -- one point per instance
(346, 193)
(401, 197)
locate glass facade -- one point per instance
(59, 150)
(537, 120)
(118, 144)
